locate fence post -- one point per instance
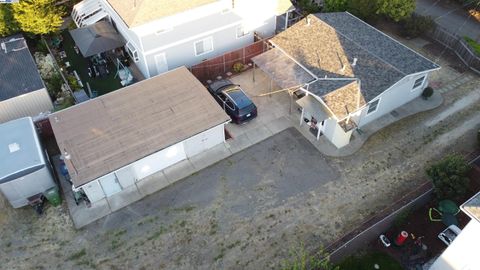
(243, 53)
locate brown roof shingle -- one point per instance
(114, 130)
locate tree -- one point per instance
(307, 6)
(364, 9)
(38, 17)
(396, 9)
(336, 5)
(8, 25)
(449, 177)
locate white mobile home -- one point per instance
(22, 92)
(114, 141)
(163, 35)
(24, 169)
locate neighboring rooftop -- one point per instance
(138, 12)
(472, 207)
(328, 45)
(19, 74)
(116, 129)
(19, 148)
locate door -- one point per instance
(161, 63)
(110, 184)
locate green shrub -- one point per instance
(307, 6)
(427, 92)
(417, 25)
(473, 44)
(449, 177)
(238, 67)
(54, 84)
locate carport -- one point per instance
(282, 69)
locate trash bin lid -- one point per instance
(448, 206)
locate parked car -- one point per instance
(233, 100)
(449, 234)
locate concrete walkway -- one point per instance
(450, 16)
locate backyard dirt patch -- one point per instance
(233, 216)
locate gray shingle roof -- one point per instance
(327, 43)
(18, 73)
(377, 43)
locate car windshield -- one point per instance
(240, 99)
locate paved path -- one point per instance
(450, 16)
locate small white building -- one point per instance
(462, 253)
(352, 74)
(162, 35)
(111, 142)
(22, 92)
(24, 169)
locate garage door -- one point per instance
(204, 140)
(158, 161)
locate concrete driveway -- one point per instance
(237, 206)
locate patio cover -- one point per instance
(97, 38)
(314, 107)
(283, 70)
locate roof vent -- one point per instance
(13, 147)
(308, 21)
(354, 61)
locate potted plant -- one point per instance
(238, 67)
(427, 92)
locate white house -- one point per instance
(111, 142)
(352, 73)
(462, 253)
(22, 92)
(162, 35)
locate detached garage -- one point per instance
(112, 141)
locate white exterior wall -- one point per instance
(462, 254)
(127, 176)
(184, 53)
(18, 190)
(30, 104)
(335, 133)
(204, 140)
(394, 97)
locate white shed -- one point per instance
(24, 170)
(112, 141)
(22, 92)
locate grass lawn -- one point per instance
(102, 85)
(368, 261)
(474, 45)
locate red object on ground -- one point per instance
(401, 238)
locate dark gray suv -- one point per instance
(233, 100)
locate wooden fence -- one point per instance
(219, 66)
(458, 46)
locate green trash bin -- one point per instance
(53, 196)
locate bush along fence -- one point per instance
(458, 45)
(231, 62)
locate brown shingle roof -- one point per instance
(346, 97)
(114, 130)
(138, 12)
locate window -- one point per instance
(372, 107)
(132, 52)
(203, 46)
(241, 32)
(418, 82)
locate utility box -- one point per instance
(24, 168)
